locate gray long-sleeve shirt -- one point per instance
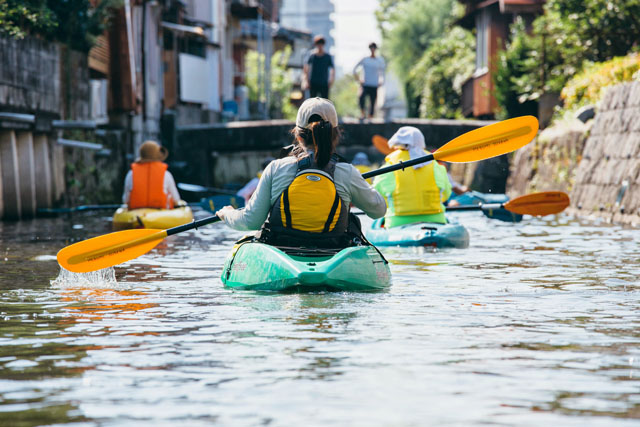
(351, 187)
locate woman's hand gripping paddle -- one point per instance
(536, 204)
(115, 248)
(479, 144)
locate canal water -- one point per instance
(536, 323)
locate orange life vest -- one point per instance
(148, 186)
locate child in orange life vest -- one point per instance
(415, 194)
(148, 184)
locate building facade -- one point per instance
(491, 20)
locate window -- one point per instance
(483, 20)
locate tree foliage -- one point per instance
(560, 42)
(408, 28)
(588, 86)
(281, 83)
(345, 95)
(74, 22)
(508, 77)
(442, 70)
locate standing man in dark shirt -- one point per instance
(322, 72)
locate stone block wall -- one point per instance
(549, 163)
(607, 182)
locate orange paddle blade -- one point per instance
(381, 144)
(489, 141)
(539, 204)
(109, 250)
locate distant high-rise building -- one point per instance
(310, 15)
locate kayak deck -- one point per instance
(448, 235)
(151, 218)
(258, 266)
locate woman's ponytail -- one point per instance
(322, 138)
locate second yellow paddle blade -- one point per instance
(489, 141)
(539, 204)
(109, 250)
(381, 143)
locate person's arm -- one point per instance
(355, 71)
(128, 186)
(385, 184)
(365, 197)
(442, 181)
(382, 71)
(254, 214)
(332, 71)
(170, 188)
(306, 69)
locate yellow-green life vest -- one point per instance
(416, 191)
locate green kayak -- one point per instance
(258, 266)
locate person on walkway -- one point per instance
(373, 68)
(303, 199)
(414, 194)
(149, 184)
(319, 71)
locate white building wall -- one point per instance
(310, 15)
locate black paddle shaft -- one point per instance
(398, 166)
(192, 225)
(483, 207)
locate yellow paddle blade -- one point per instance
(381, 144)
(489, 141)
(539, 204)
(109, 250)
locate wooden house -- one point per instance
(491, 20)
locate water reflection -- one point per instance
(536, 323)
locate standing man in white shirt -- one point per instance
(373, 68)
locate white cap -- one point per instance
(320, 106)
(407, 137)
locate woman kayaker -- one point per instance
(303, 199)
(149, 184)
(414, 194)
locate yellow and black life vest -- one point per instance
(310, 206)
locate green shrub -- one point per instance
(344, 94)
(440, 73)
(570, 34)
(588, 86)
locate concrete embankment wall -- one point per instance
(231, 153)
(597, 163)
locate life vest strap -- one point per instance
(334, 208)
(287, 209)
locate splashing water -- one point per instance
(105, 278)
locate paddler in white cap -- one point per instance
(415, 194)
(304, 198)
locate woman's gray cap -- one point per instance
(320, 106)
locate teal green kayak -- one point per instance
(448, 235)
(257, 266)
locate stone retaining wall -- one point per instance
(607, 182)
(597, 163)
(550, 161)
